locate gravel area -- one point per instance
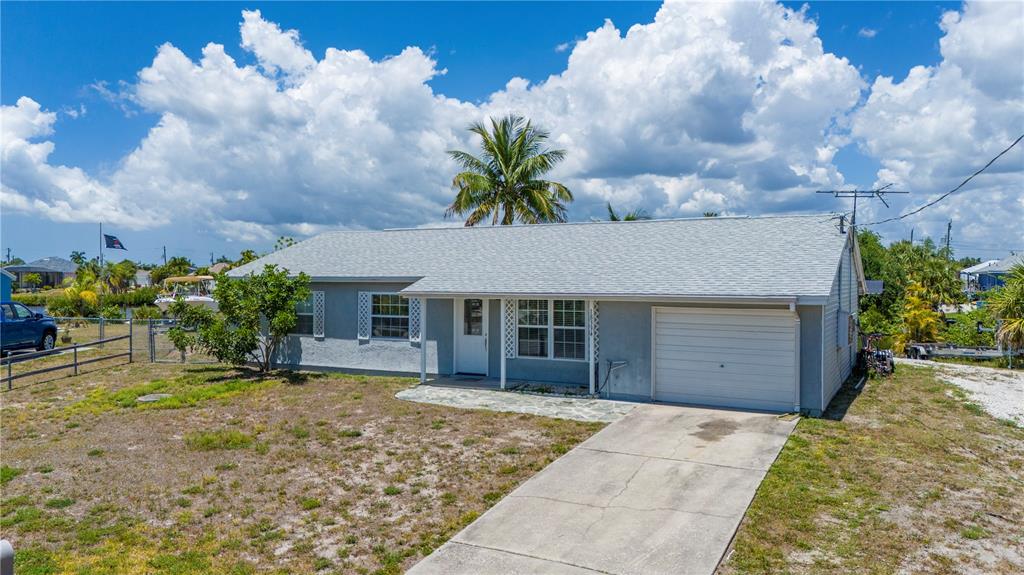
(578, 409)
(999, 391)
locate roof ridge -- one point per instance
(585, 223)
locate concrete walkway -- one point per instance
(578, 408)
(662, 490)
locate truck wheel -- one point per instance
(47, 342)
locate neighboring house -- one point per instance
(219, 267)
(738, 312)
(52, 270)
(994, 275)
(6, 278)
(972, 281)
(142, 278)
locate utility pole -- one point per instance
(949, 232)
(8, 260)
(211, 258)
(878, 193)
(911, 236)
(165, 255)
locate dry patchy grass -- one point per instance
(239, 474)
(907, 477)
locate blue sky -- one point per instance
(56, 53)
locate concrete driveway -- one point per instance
(662, 490)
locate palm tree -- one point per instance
(710, 214)
(1008, 305)
(77, 257)
(506, 176)
(637, 214)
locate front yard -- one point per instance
(908, 476)
(237, 474)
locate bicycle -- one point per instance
(875, 360)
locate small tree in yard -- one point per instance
(256, 312)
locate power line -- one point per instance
(954, 190)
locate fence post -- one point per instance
(130, 347)
(10, 377)
(103, 325)
(75, 349)
(152, 342)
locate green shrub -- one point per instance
(111, 312)
(147, 312)
(8, 473)
(220, 439)
(964, 329)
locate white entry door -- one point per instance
(471, 336)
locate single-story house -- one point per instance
(143, 279)
(994, 275)
(975, 280)
(52, 270)
(6, 278)
(744, 312)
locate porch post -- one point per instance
(504, 321)
(423, 340)
(591, 329)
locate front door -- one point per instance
(471, 336)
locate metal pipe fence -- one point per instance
(90, 340)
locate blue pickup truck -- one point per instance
(21, 328)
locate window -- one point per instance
(304, 315)
(570, 337)
(552, 328)
(389, 316)
(533, 328)
(473, 317)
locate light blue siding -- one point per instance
(839, 355)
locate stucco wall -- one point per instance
(625, 335)
(543, 370)
(810, 358)
(340, 348)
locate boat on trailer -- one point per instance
(194, 290)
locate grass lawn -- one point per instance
(906, 477)
(238, 474)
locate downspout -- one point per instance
(796, 358)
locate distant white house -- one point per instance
(142, 278)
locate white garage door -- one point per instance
(729, 358)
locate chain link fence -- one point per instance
(149, 337)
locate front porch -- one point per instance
(460, 381)
(507, 343)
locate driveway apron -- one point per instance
(662, 490)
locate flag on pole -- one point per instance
(113, 243)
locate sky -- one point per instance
(209, 128)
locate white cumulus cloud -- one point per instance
(939, 124)
(728, 107)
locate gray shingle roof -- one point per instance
(780, 256)
(48, 264)
(1004, 265)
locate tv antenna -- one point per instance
(878, 193)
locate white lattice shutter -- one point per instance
(318, 314)
(415, 311)
(509, 321)
(595, 331)
(363, 317)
